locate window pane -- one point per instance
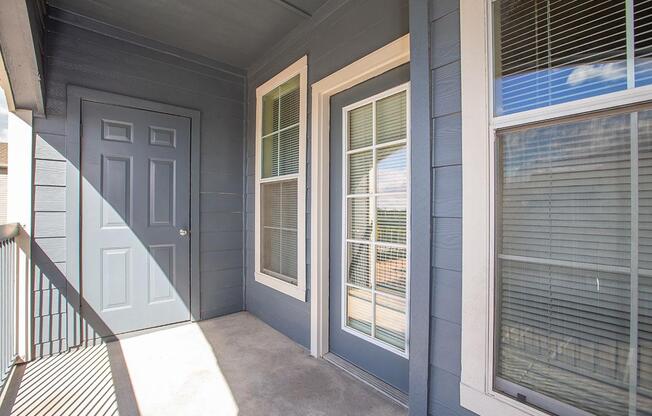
(390, 320)
(289, 213)
(271, 202)
(289, 93)
(391, 217)
(643, 41)
(288, 255)
(270, 156)
(391, 168)
(549, 52)
(359, 218)
(279, 229)
(270, 112)
(358, 308)
(391, 118)
(360, 127)
(271, 257)
(359, 264)
(360, 167)
(289, 153)
(391, 270)
(564, 267)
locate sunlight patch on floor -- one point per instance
(170, 371)
(174, 372)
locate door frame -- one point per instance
(75, 96)
(390, 56)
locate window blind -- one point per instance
(645, 258)
(279, 229)
(643, 41)
(375, 237)
(279, 189)
(564, 262)
(554, 51)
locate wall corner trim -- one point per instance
(421, 208)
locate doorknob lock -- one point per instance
(183, 232)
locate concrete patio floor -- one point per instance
(233, 365)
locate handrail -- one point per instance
(9, 231)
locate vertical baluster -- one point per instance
(8, 305)
(3, 313)
(14, 297)
(10, 323)
(5, 299)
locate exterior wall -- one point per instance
(77, 56)
(446, 245)
(339, 33)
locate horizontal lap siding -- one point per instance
(88, 59)
(340, 33)
(446, 275)
(49, 243)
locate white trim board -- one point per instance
(382, 60)
(297, 291)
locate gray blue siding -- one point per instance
(446, 255)
(77, 54)
(339, 33)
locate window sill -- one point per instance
(486, 404)
(281, 286)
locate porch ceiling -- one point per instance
(235, 32)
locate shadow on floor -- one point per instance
(87, 381)
(233, 365)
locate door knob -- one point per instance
(183, 232)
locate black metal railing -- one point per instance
(8, 300)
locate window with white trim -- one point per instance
(569, 150)
(375, 232)
(280, 181)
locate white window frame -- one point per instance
(297, 291)
(477, 391)
(372, 243)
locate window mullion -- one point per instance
(548, 50)
(372, 205)
(629, 30)
(633, 325)
(278, 135)
(280, 233)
